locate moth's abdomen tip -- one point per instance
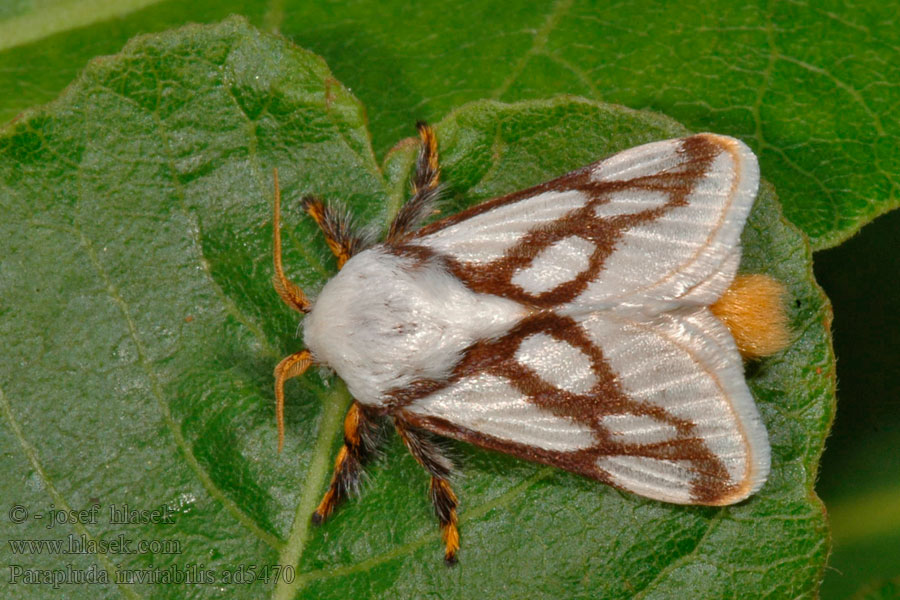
(753, 310)
(451, 560)
(317, 518)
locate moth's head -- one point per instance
(332, 315)
(360, 323)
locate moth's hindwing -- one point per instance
(618, 371)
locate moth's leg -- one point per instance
(342, 237)
(424, 187)
(360, 443)
(439, 467)
(290, 367)
(292, 295)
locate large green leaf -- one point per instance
(140, 331)
(809, 87)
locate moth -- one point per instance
(594, 322)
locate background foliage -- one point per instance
(807, 85)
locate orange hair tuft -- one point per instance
(753, 310)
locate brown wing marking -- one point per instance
(496, 277)
(497, 357)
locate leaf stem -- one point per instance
(319, 469)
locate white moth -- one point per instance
(572, 324)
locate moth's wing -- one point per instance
(656, 405)
(625, 375)
(658, 226)
(685, 364)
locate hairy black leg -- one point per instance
(424, 188)
(343, 238)
(360, 444)
(439, 467)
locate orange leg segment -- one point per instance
(428, 172)
(338, 235)
(442, 497)
(360, 441)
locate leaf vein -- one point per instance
(197, 242)
(253, 150)
(641, 593)
(31, 454)
(432, 533)
(156, 386)
(330, 427)
(846, 87)
(539, 42)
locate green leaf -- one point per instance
(140, 332)
(809, 87)
(881, 590)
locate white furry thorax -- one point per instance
(385, 321)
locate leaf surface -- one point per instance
(810, 86)
(140, 332)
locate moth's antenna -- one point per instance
(292, 295)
